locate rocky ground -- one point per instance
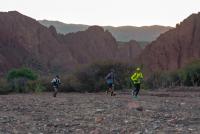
(153, 112)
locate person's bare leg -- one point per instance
(55, 92)
(108, 90)
(112, 92)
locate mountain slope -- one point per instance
(128, 51)
(145, 33)
(25, 42)
(175, 48)
(123, 33)
(64, 28)
(94, 44)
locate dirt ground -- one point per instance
(97, 113)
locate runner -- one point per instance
(55, 82)
(136, 78)
(110, 82)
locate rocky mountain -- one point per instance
(25, 42)
(128, 51)
(64, 28)
(91, 45)
(123, 33)
(175, 48)
(140, 34)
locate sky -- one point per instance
(106, 12)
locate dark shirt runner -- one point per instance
(110, 78)
(55, 82)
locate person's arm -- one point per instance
(53, 80)
(108, 75)
(141, 76)
(113, 77)
(133, 76)
(59, 81)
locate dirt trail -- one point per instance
(166, 112)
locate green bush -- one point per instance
(187, 76)
(18, 79)
(192, 74)
(22, 73)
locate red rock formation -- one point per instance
(94, 44)
(175, 48)
(128, 51)
(25, 42)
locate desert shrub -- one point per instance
(22, 73)
(156, 80)
(92, 77)
(22, 79)
(35, 86)
(187, 76)
(4, 87)
(192, 74)
(46, 82)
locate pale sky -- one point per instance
(106, 12)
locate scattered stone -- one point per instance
(182, 104)
(139, 108)
(96, 131)
(126, 121)
(146, 131)
(120, 115)
(190, 129)
(138, 132)
(147, 110)
(166, 101)
(98, 119)
(155, 126)
(115, 130)
(123, 131)
(57, 119)
(66, 125)
(133, 105)
(99, 110)
(80, 131)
